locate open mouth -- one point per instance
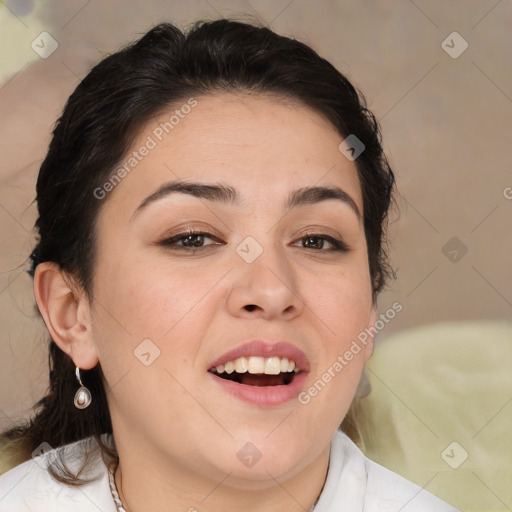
(258, 371)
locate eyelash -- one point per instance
(339, 245)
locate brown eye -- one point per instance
(318, 242)
(314, 242)
(196, 240)
(190, 240)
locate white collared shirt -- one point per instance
(354, 484)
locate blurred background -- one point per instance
(438, 77)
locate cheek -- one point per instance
(151, 296)
(343, 305)
(165, 300)
(172, 307)
(343, 300)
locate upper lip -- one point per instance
(262, 348)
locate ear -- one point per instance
(372, 318)
(66, 315)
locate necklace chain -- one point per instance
(113, 489)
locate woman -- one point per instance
(212, 214)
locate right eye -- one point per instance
(190, 240)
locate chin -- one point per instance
(261, 476)
(251, 467)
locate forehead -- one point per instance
(263, 146)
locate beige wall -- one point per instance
(446, 125)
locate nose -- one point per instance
(265, 288)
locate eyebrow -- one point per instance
(221, 193)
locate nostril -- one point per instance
(250, 307)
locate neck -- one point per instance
(144, 485)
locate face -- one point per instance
(188, 283)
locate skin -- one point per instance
(176, 432)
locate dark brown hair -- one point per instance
(97, 127)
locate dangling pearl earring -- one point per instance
(83, 396)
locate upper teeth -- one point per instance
(255, 364)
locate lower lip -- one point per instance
(264, 396)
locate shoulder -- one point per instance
(359, 483)
(31, 487)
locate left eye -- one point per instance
(317, 242)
